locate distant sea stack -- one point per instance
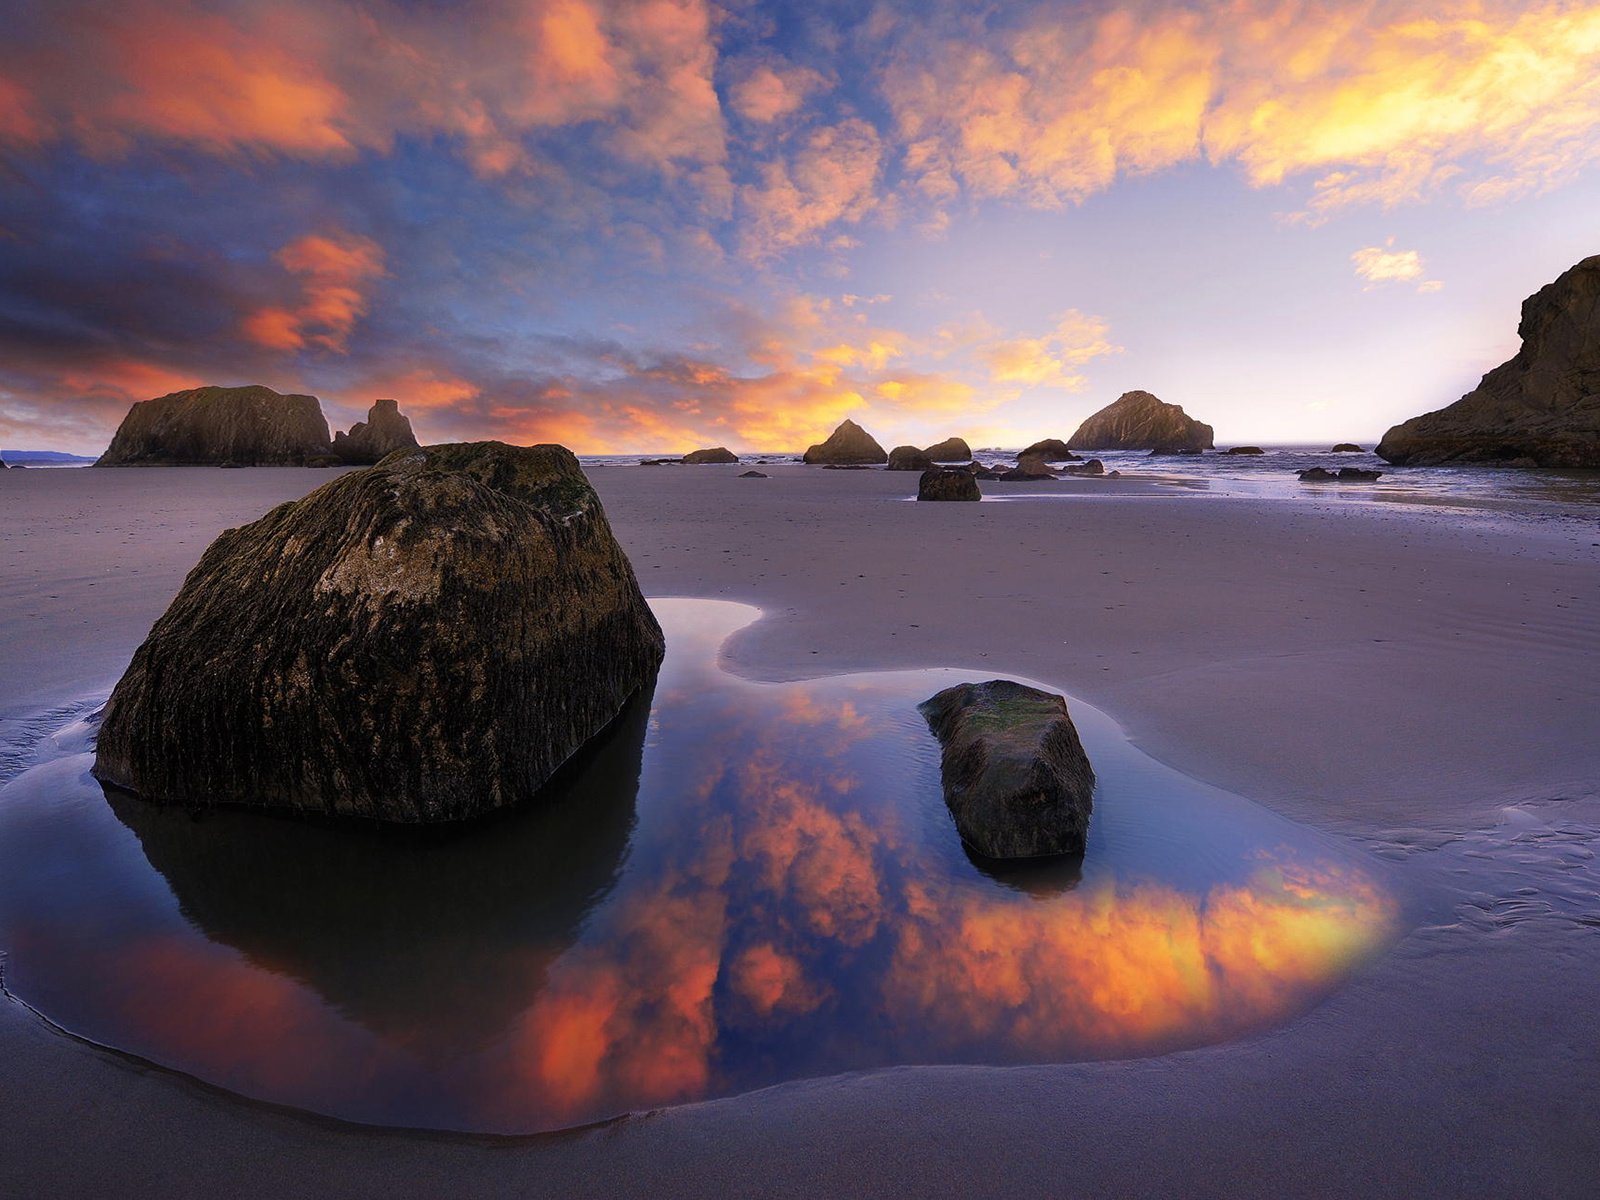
(715, 454)
(849, 445)
(210, 425)
(422, 641)
(385, 430)
(1541, 408)
(1140, 421)
(952, 449)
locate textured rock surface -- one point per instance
(717, 454)
(1140, 421)
(955, 483)
(952, 449)
(1016, 778)
(211, 425)
(848, 445)
(1029, 466)
(1049, 449)
(385, 430)
(421, 641)
(908, 458)
(1539, 408)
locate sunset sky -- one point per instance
(659, 225)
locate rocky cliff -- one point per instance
(1140, 421)
(385, 430)
(246, 425)
(1540, 408)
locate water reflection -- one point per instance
(748, 883)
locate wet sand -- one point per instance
(1421, 683)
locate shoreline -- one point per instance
(1415, 685)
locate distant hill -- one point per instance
(43, 456)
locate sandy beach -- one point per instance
(1417, 681)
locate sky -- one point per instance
(656, 225)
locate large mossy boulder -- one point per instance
(847, 446)
(422, 641)
(1016, 778)
(1141, 421)
(1540, 408)
(951, 450)
(247, 426)
(948, 483)
(385, 430)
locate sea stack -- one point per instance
(385, 430)
(1540, 408)
(952, 449)
(849, 445)
(1140, 421)
(715, 454)
(1016, 777)
(422, 641)
(207, 426)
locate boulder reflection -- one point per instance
(747, 883)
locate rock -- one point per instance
(948, 483)
(385, 430)
(422, 641)
(752, 475)
(1016, 778)
(1173, 451)
(1346, 448)
(1248, 450)
(1140, 421)
(1093, 467)
(252, 426)
(660, 462)
(846, 467)
(952, 449)
(1050, 449)
(1541, 405)
(1342, 475)
(1028, 468)
(848, 445)
(908, 458)
(717, 454)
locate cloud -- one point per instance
(1052, 360)
(771, 91)
(829, 178)
(1377, 103)
(1383, 264)
(335, 269)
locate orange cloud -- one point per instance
(829, 178)
(1050, 361)
(1382, 103)
(770, 92)
(336, 270)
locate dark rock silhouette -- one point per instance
(848, 445)
(1049, 449)
(1539, 408)
(908, 458)
(1140, 421)
(1248, 450)
(248, 426)
(717, 454)
(385, 430)
(1029, 467)
(1346, 448)
(422, 641)
(1093, 467)
(1342, 475)
(954, 483)
(951, 450)
(752, 475)
(1016, 778)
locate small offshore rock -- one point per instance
(951, 450)
(848, 445)
(908, 458)
(948, 483)
(1346, 448)
(1049, 449)
(1248, 450)
(752, 475)
(716, 454)
(1016, 777)
(385, 430)
(1342, 475)
(1093, 467)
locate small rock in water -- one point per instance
(1248, 450)
(908, 458)
(1342, 475)
(941, 483)
(716, 454)
(952, 449)
(1346, 448)
(752, 475)
(1016, 778)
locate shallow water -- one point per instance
(746, 883)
